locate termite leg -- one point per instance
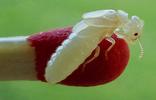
(110, 39)
(96, 54)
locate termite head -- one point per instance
(134, 30)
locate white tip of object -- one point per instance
(16, 39)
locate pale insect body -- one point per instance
(85, 37)
(80, 44)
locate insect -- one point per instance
(85, 37)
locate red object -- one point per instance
(99, 71)
(45, 44)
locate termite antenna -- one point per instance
(141, 49)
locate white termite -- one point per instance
(85, 37)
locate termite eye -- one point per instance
(135, 34)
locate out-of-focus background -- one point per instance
(24, 17)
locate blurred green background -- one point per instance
(24, 17)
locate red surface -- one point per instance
(99, 71)
(45, 44)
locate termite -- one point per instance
(85, 37)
